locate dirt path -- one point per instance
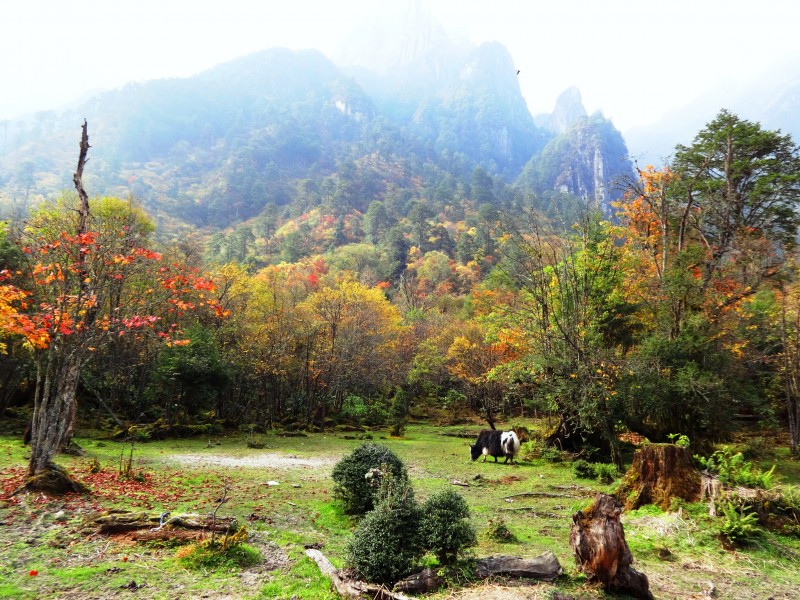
(270, 461)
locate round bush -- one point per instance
(445, 528)
(386, 545)
(583, 469)
(357, 492)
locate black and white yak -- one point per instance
(495, 443)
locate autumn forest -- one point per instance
(676, 311)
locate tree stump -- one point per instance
(601, 551)
(659, 473)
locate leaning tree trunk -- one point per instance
(58, 371)
(601, 551)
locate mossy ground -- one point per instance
(680, 552)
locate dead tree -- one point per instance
(601, 551)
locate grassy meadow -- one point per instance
(283, 493)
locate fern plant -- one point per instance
(739, 526)
(733, 469)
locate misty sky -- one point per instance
(632, 59)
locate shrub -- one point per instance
(354, 409)
(523, 433)
(552, 455)
(679, 439)
(605, 472)
(538, 449)
(358, 494)
(386, 545)
(583, 469)
(499, 531)
(446, 530)
(399, 412)
(230, 552)
(758, 447)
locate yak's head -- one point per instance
(475, 451)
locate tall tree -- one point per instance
(91, 279)
(739, 185)
(569, 322)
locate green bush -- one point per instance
(386, 545)
(538, 449)
(446, 530)
(399, 412)
(583, 469)
(605, 472)
(225, 553)
(680, 440)
(357, 492)
(552, 455)
(499, 531)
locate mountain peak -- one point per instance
(569, 109)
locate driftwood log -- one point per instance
(659, 473)
(545, 566)
(424, 582)
(601, 551)
(112, 522)
(348, 587)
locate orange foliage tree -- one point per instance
(83, 291)
(89, 278)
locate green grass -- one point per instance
(303, 581)
(679, 553)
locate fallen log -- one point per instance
(540, 495)
(424, 582)
(532, 512)
(347, 587)
(112, 522)
(601, 551)
(467, 435)
(584, 492)
(545, 566)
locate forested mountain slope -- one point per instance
(215, 149)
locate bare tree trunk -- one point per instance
(790, 338)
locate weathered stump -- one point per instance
(601, 551)
(659, 473)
